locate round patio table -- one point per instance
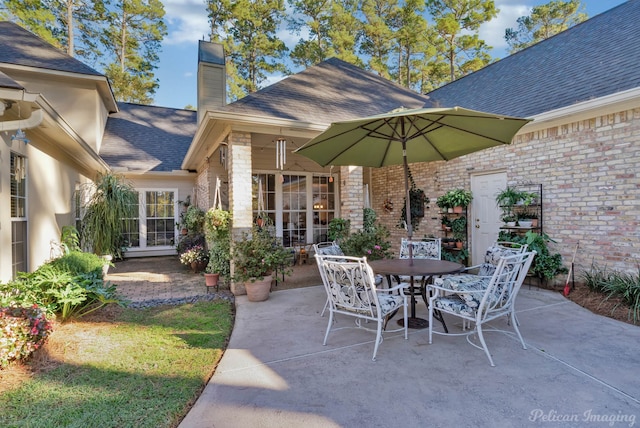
(413, 268)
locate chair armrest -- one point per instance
(470, 268)
(400, 287)
(451, 290)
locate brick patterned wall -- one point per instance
(590, 183)
(203, 197)
(351, 196)
(240, 180)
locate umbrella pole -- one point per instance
(407, 199)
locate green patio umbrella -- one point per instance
(410, 135)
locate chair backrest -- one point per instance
(350, 285)
(505, 283)
(428, 248)
(496, 252)
(328, 249)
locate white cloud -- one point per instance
(493, 31)
(187, 21)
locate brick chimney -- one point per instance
(212, 77)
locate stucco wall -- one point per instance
(47, 210)
(77, 101)
(590, 182)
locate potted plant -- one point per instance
(510, 220)
(194, 220)
(195, 257)
(184, 205)
(112, 199)
(219, 263)
(217, 232)
(459, 199)
(443, 203)
(529, 215)
(445, 222)
(417, 201)
(508, 197)
(459, 228)
(255, 257)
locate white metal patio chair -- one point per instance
(427, 248)
(326, 249)
(491, 259)
(482, 299)
(351, 290)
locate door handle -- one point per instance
(477, 226)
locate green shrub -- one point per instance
(338, 229)
(614, 284)
(545, 265)
(373, 244)
(59, 289)
(77, 262)
(23, 331)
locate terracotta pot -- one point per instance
(211, 279)
(259, 222)
(458, 209)
(258, 291)
(459, 245)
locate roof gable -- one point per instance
(147, 138)
(595, 58)
(20, 47)
(329, 91)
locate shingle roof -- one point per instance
(21, 47)
(148, 138)
(595, 58)
(329, 91)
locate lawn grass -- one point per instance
(143, 368)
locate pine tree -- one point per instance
(132, 38)
(545, 21)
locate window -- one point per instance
(160, 218)
(153, 224)
(131, 227)
(287, 200)
(19, 242)
(324, 208)
(294, 209)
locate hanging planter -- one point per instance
(417, 201)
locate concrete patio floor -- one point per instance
(580, 370)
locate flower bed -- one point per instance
(23, 331)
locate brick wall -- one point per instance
(351, 196)
(590, 184)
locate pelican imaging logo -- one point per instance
(589, 416)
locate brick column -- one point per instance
(239, 163)
(351, 196)
(203, 198)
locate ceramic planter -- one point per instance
(258, 290)
(211, 279)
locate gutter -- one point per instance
(235, 121)
(589, 109)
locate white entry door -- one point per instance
(485, 214)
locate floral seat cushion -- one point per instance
(330, 250)
(389, 302)
(470, 288)
(454, 304)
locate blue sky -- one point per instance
(187, 23)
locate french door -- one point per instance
(300, 205)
